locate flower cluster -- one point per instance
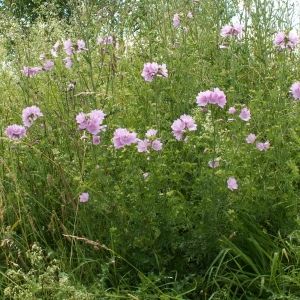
(154, 69)
(229, 31)
(92, 123)
(29, 115)
(213, 97)
(122, 137)
(263, 146)
(179, 126)
(31, 71)
(286, 41)
(77, 48)
(106, 41)
(250, 139)
(144, 144)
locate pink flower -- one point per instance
(229, 31)
(145, 175)
(214, 164)
(162, 71)
(123, 137)
(154, 69)
(232, 110)
(250, 138)
(15, 132)
(226, 30)
(96, 139)
(219, 97)
(280, 39)
(263, 146)
(42, 56)
(149, 71)
(106, 41)
(143, 146)
(179, 126)
(185, 29)
(203, 98)
(245, 114)
(178, 129)
(283, 41)
(237, 30)
(151, 132)
(68, 47)
(293, 39)
(295, 90)
(48, 65)
(215, 97)
(30, 114)
(232, 184)
(189, 122)
(84, 197)
(68, 62)
(28, 71)
(81, 46)
(190, 15)
(91, 121)
(156, 145)
(176, 20)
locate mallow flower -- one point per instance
(245, 114)
(122, 137)
(289, 41)
(232, 184)
(213, 97)
(179, 126)
(84, 197)
(229, 31)
(154, 69)
(15, 132)
(295, 90)
(30, 114)
(176, 20)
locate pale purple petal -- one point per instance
(295, 90)
(245, 114)
(48, 65)
(151, 132)
(142, 146)
(232, 184)
(176, 20)
(156, 145)
(84, 197)
(250, 138)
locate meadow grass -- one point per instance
(155, 153)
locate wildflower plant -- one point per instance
(98, 150)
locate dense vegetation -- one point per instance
(149, 150)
